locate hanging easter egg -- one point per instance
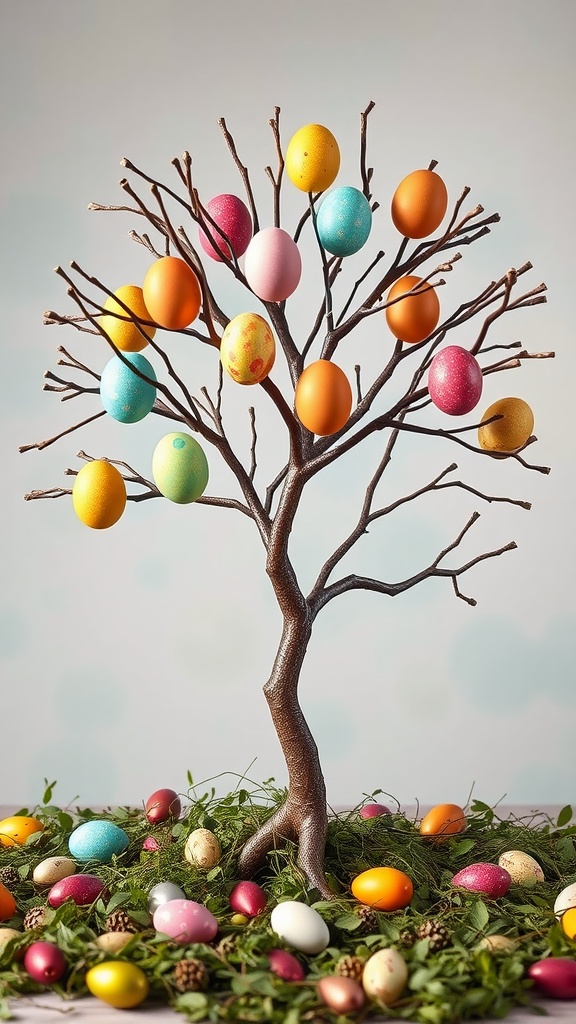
(99, 495)
(285, 965)
(185, 921)
(81, 889)
(248, 898)
(513, 428)
(340, 994)
(124, 395)
(323, 398)
(7, 903)
(383, 888)
(555, 977)
(248, 348)
(385, 976)
(14, 831)
(233, 219)
(125, 334)
(521, 867)
(163, 892)
(172, 293)
(443, 821)
(312, 158)
(272, 265)
(455, 380)
(163, 804)
(180, 468)
(300, 926)
(413, 318)
(419, 204)
(483, 877)
(97, 839)
(119, 983)
(344, 221)
(52, 870)
(45, 962)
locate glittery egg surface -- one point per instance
(185, 921)
(484, 877)
(124, 395)
(510, 430)
(82, 889)
(344, 221)
(97, 839)
(248, 348)
(455, 380)
(233, 219)
(180, 468)
(272, 264)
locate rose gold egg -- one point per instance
(343, 995)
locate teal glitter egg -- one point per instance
(97, 839)
(344, 221)
(124, 395)
(180, 468)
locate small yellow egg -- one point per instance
(569, 923)
(15, 831)
(125, 334)
(513, 428)
(312, 158)
(248, 348)
(118, 983)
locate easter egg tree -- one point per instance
(325, 415)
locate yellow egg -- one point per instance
(124, 333)
(511, 431)
(118, 983)
(312, 158)
(248, 349)
(15, 831)
(569, 923)
(99, 494)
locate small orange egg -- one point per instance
(419, 204)
(383, 888)
(7, 903)
(323, 398)
(172, 293)
(14, 831)
(511, 431)
(443, 821)
(569, 923)
(413, 318)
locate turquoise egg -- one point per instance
(97, 840)
(344, 221)
(180, 468)
(125, 396)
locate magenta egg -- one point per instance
(81, 889)
(151, 844)
(272, 265)
(487, 878)
(233, 219)
(185, 921)
(555, 977)
(248, 898)
(455, 380)
(163, 804)
(374, 810)
(45, 962)
(285, 965)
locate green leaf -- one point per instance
(49, 788)
(462, 846)
(117, 900)
(479, 915)
(564, 816)
(347, 922)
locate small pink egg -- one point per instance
(248, 898)
(272, 265)
(185, 921)
(45, 962)
(487, 878)
(455, 380)
(555, 977)
(285, 965)
(81, 889)
(233, 218)
(343, 995)
(374, 810)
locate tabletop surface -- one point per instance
(50, 1008)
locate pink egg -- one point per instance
(272, 265)
(185, 921)
(151, 844)
(233, 218)
(455, 380)
(248, 898)
(374, 810)
(81, 889)
(45, 962)
(285, 965)
(555, 977)
(487, 878)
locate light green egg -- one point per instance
(180, 468)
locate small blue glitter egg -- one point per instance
(125, 396)
(97, 840)
(344, 221)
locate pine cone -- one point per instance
(120, 921)
(407, 938)
(438, 935)
(350, 967)
(34, 918)
(190, 975)
(9, 876)
(368, 918)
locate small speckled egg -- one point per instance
(385, 976)
(511, 430)
(285, 965)
(383, 888)
(555, 977)
(97, 839)
(300, 926)
(202, 848)
(565, 900)
(312, 158)
(180, 468)
(81, 889)
(124, 395)
(14, 831)
(52, 869)
(272, 265)
(185, 921)
(163, 892)
(344, 221)
(248, 348)
(455, 380)
(483, 877)
(248, 898)
(521, 867)
(233, 218)
(119, 983)
(342, 995)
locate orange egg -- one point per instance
(442, 821)
(511, 431)
(7, 903)
(14, 831)
(323, 398)
(383, 888)
(413, 318)
(419, 204)
(172, 293)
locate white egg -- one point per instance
(385, 976)
(521, 867)
(565, 900)
(300, 926)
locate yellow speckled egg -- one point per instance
(15, 831)
(312, 158)
(180, 468)
(521, 867)
(248, 349)
(123, 332)
(118, 983)
(511, 431)
(383, 888)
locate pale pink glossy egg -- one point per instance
(248, 898)
(233, 219)
(272, 265)
(185, 921)
(285, 965)
(455, 380)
